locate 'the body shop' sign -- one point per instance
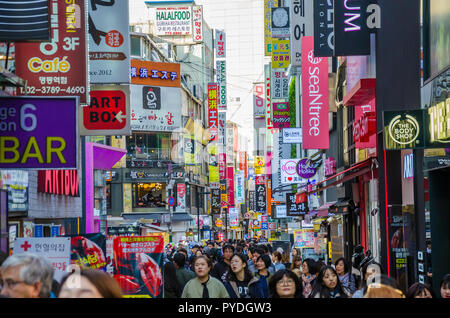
(314, 97)
(58, 67)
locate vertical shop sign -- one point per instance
(58, 67)
(181, 197)
(267, 90)
(351, 34)
(213, 165)
(293, 208)
(197, 22)
(240, 198)
(258, 101)
(139, 262)
(281, 53)
(268, 5)
(301, 25)
(230, 186)
(215, 201)
(280, 84)
(109, 42)
(281, 117)
(220, 44)
(213, 114)
(222, 84)
(280, 22)
(251, 200)
(323, 28)
(314, 98)
(260, 198)
(16, 183)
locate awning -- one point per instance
(362, 92)
(323, 210)
(156, 217)
(354, 171)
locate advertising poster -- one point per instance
(89, 250)
(280, 117)
(197, 23)
(109, 42)
(16, 182)
(41, 133)
(280, 84)
(173, 21)
(281, 53)
(181, 197)
(55, 249)
(155, 108)
(280, 22)
(314, 98)
(268, 5)
(58, 67)
(138, 264)
(213, 114)
(304, 238)
(259, 164)
(230, 186)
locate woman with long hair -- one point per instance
(296, 266)
(345, 276)
(240, 282)
(368, 272)
(262, 265)
(172, 287)
(418, 290)
(285, 284)
(328, 285)
(309, 275)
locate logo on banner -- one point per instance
(304, 170)
(151, 97)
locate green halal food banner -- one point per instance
(423, 128)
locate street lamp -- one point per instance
(198, 211)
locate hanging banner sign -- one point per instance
(213, 166)
(301, 25)
(267, 90)
(230, 186)
(220, 44)
(281, 53)
(222, 84)
(323, 28)
(288, 171)
(259, 164)
(351, 34)
(215, 201)
(181, 197)
(55, 249)
(222, 130)
(58, 67)
(281, 118)
(280, 84)
(108, 113)
(268, 5)
(240, 194)
(109, 42)
(280, 22)
(173, 21)
(251, 200)
(197, 21)
(39, 133)
(314, 98)
(138, 264)
(223, 193)
(293, 208)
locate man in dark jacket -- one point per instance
(223, 266)
(183, 275)
(251, 289)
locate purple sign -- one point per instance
(38, 132)
(304, 170)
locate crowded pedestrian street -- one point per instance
(243, 151)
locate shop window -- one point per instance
(148, 195)
(135, 46)
(149, 146)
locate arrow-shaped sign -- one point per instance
(119, 116)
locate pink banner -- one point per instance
(230, 186)
(222, 166)
(314, 97)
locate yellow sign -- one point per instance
(439, 122)
(268, 5)
(281, 53)
(219, 223)
(213, 168)
(260, 163)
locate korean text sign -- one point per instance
(173, 21)
(220, 44)
(138, 262)
(213, 114)
(302, 25)
(281, 53)
(197, 21)
(59, 67)
(268, 5)
(89, 250)
(314, 97)
(40, 132)
(109, 42)
(55, 249)
(280, 84)
(280, 115)
(155, 73)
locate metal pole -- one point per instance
(198, 216)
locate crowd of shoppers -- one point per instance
(233, 269)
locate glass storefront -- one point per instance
(149, 146)
(149, 195)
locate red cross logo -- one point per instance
(25, 246)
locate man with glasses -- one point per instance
(26, 276)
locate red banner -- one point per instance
(364, 128)
(314, 97)
(57, 68)
(213, 115)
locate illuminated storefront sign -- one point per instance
(62, 182)
(403, 129)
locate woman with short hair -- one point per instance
(285, 284)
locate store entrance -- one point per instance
(440, 224)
